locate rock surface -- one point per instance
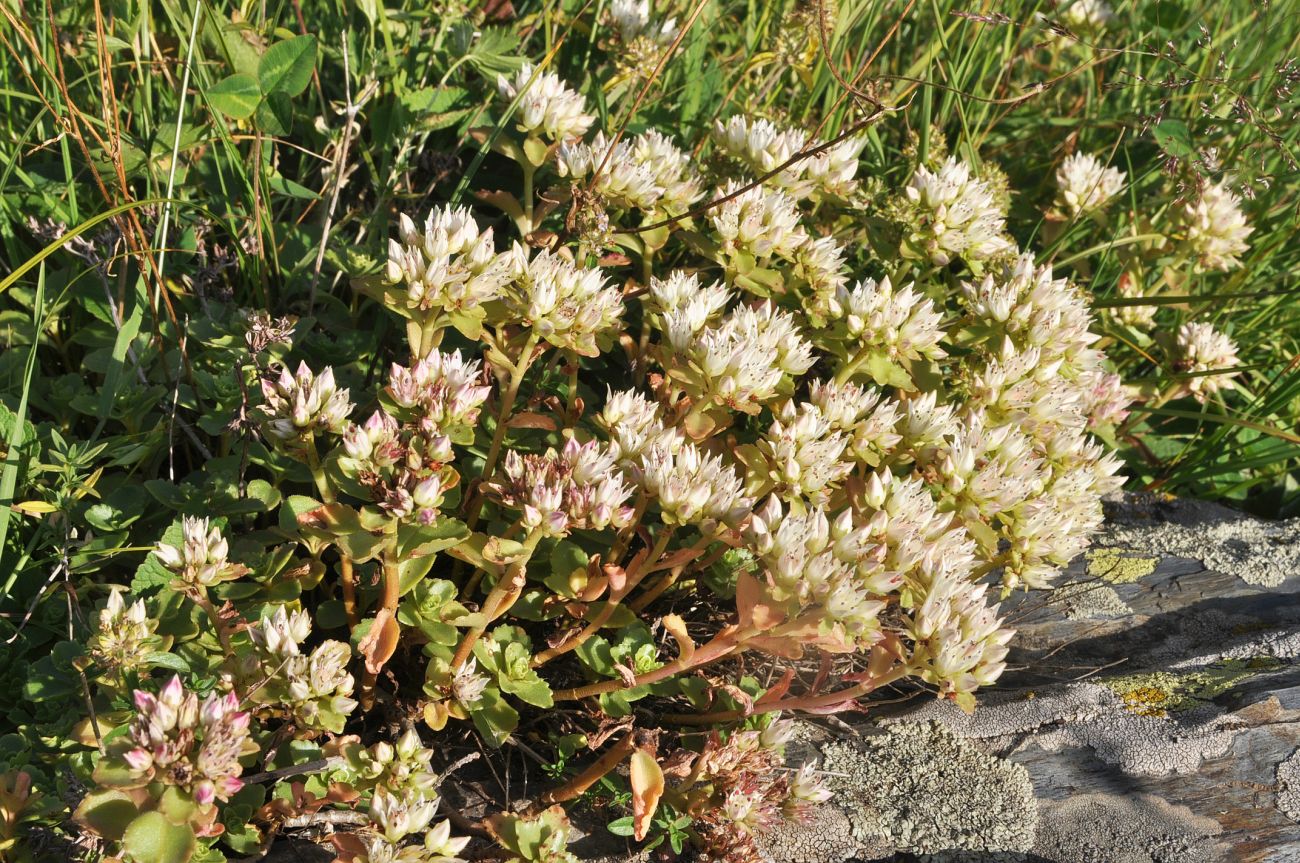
(1151, 714)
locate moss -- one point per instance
(1119, 567)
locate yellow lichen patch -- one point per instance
(1146, 701)
(1119, 567)
(1160, 693)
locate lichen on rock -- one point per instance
(924, 789)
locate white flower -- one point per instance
(759, 222)
(762, 147)
(742, 361)
(547, 108)
(398, 817)
(301, 403)
(632, 18)
(692, 487)
(1085, 185)
(200, 560)
(671, 168)
(450, 265)
(1208, 354)
(633, 424)
(804, 453)
(1086, 16)
(565, 305)
(625, 182)
(1129, 287)
(901, 324)
(952, 215)
(280, 632)
(1215, 229)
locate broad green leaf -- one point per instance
(1174, 138)
(275, 114)
(286, 66)
(151, 838)
(236, 96)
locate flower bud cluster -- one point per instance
(759, 222)
(124, 637)
(1209, 356)
(200, 561)
(444, 390)
(314, 687)
(547, 108)
(576, 488)
(949, 214)
(1214, 229)
(301, 404)
(691, 486)
(182, 743)
(405, 467)
(742, 362)
(449, 266)
(900, 324)
(571, 308)
(820, 263)
(404, 768)
(829, 565)
(1085, 185)
(762, 147)
(751, 790)
(624, 181)
(1130, 287)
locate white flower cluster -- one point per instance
(556, 492)
(200, 561)
(633, 21)
(124, 637)
(741, 361)
(315, 687)
(450, 265)
(758, 222)
(1214, 228)
(951, 214)
(444, 389)
(300, 404)
(691, 486)
(625, 181)
(1085, 185)
(634, 425)
(569, 307)
(648, 172)
(762, 147)
(547, 108)
(1130, 287)
(1209, 356)
(901, 324)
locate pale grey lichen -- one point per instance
(1136, 828)
(1261, 553)
(1089, 600)
(1288, 786)
(1088, 715)
(926, 790)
